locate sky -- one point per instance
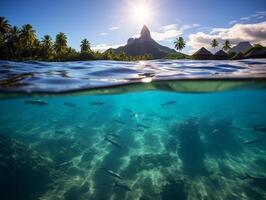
(109, 23)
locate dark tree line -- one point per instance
(21, 43)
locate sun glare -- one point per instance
(141, 13)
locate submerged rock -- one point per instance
(190, 150)
(60, 149)
(75, 192)
(174, 190)
(24, 173)
(220, 138)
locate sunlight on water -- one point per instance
(34, 76)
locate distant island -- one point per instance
(22, 44)
(144, 45)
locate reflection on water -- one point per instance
(34, 76)
(142, 145)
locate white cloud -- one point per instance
(114, 28)
(167, 35)
(257, 15)
(169, 27)
(187, 26)
(102, 47)
(170, 32)
(103, 34)
(217, 30)
(245, 18)
(178, 20)
(254, 33)
(232, 22)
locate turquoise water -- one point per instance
(171, 145)
(148, 130)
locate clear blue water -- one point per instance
(161, 140)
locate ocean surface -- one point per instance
(147, 130)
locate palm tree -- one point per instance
(214, 44)
(28, 37)
(4, 31)
(85, 46)
(4, 26)
(47, 47)
(14, 40)
(180, 43)
(226, 45)
(61, 44)
(110, 54)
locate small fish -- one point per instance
(123, 186)
(152, 114)
(69, 104)
(113, 135)
(79, 126)
(133, 115)
(260, 129)
(65, 164)
(215, 131)
(253, 141)
(257, 178)
(112, 173)
(138, 129)
(60, 132)
(118, 121)
(113, 142)
(127, 110)
(96, 103)
(168, 103)
(166, 117)
(142, 126)
(37, 102)
(92, 115)
(253, 112)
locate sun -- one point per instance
(141, 13)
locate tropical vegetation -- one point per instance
(214, 44)
(226, 45)
(22, 44)
(180, 43)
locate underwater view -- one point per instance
(164, 139)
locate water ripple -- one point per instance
(34, 76)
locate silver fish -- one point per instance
(37, 102)
(168, 103)
(112, 173)
(113, 142)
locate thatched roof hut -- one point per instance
(202, 54)
(241, 47)
(220, 55)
